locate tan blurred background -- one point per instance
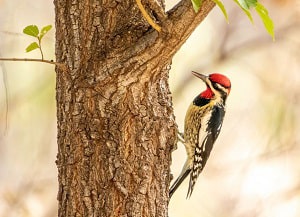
(254, 169)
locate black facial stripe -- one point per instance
(219, 87)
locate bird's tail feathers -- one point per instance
(184, 173)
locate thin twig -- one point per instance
(33, 60)
(147, 17)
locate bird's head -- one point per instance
(218, 85)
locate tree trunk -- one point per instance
(116, 126)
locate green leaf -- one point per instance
(31, 30)
(196, 5)
(246, 11)
(32, 47)
(221, 6)
(44, 30)
(264, 15)
(247, 4)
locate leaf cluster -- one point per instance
(245, 5)
(33, 30)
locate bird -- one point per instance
(202, 125)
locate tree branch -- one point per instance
(182, 19)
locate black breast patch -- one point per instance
(200, 101)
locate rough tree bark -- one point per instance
(116, 126)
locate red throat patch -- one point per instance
(207, 94)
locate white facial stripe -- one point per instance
(210, 85)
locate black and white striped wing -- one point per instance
(209, 130)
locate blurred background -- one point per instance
(254, 168)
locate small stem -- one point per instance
(40, 47)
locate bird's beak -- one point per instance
(201, 76)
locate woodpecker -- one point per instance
(202, 125)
